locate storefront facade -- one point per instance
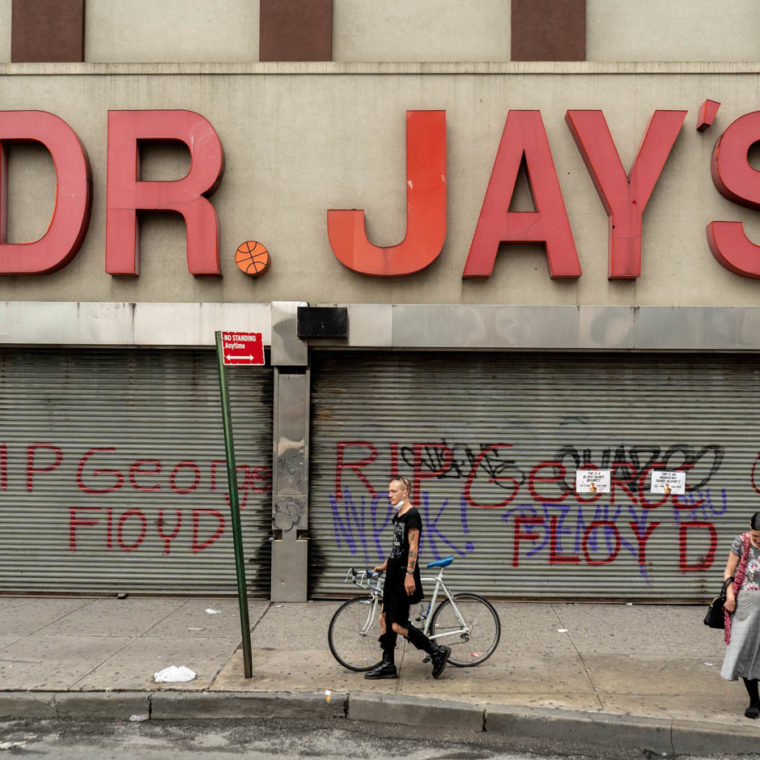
(554, 270)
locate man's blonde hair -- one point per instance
(404, 481)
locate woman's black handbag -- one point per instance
(714, 617)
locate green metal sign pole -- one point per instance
(237, 531)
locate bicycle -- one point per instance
(466, 622)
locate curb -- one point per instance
(692, 738)
(168, 705)
(26, 704)
(118, 705)
(411, 711)
(601, 729)
(588, 728)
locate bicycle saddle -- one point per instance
(445, 562)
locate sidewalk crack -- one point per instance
(102, 662)
(213, 680)
(166, 617)
(62, 617)
(586, 670)
(263, 615)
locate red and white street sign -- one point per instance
(242, 348)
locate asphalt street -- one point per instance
(259, 740)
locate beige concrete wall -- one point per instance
(5, 30)
(300, 139)
(31, 191)
(171, 30)
(421, 30)
(413, 30)
(673, 30)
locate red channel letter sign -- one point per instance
(73, 196)
(425, 208)
(126, 193)
(624, 194)
(242, 348)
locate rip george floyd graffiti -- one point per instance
(361, 523)
(104, 472)
(547, 520)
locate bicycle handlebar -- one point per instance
(364, 579)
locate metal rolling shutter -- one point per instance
(482, 431)
(103, 451)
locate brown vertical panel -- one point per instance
(47, 30)
(548, 30)
(295, 30)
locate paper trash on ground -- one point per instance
(174, 674)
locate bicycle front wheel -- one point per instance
(471, 627)
(353, 634)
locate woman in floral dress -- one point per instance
(743, 613)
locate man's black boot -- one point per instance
(440, 656)
(387, 667)
(384, 670)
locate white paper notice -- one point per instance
(664, 481)
(592, 481)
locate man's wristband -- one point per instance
(410, 572)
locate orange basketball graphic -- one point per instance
(252, 258)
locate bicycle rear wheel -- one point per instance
(474, 637)
(353, 633)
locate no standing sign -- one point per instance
(242, 348)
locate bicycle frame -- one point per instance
(439, 584)
(365, 579)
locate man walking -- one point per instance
(403, 587)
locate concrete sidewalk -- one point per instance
(625, 675)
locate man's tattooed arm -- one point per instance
(414, 544)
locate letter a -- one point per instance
(524, 136)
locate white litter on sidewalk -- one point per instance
(174, 674)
